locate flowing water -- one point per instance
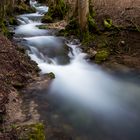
(83, 102)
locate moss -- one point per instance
(12, 21)
(102, 45)
(51, 75)
(87, 38)
(73, 28)
(63, 32)
(108, 23)
(47, 19)
(91, 9)
(137, 28)
(30, 132)
(4, 29)
(60, 9)
(13, 126)
(91, 24)
(56, 12)
(101, 56)
(42, 26)
(37, 132)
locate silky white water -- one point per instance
(77, 81)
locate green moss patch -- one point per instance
(101, 56)
(12, 21)
(47, 18)
(31, 132)
(42, 26)
(91, 24)
(4, 30)
(108, 23)
(51, 75)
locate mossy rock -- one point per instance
(72, 28)
(12, 21)
(101, 56)
(63, 32)
(56, 12)
(42, 26)
(47, 19)
(51, 75)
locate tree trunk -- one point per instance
(83, 11)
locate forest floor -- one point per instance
(123, 44)
(17, 71)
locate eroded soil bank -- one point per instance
(122, 38)
(17, 71)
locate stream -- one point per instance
(83, 102)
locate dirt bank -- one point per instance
(122, 38)
(16, 71)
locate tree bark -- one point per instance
(83, 11)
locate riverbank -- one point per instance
(114, 39)
(121, 45)
(17, 71)
(119, 27)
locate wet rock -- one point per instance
(40, 83)
(91, 53)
